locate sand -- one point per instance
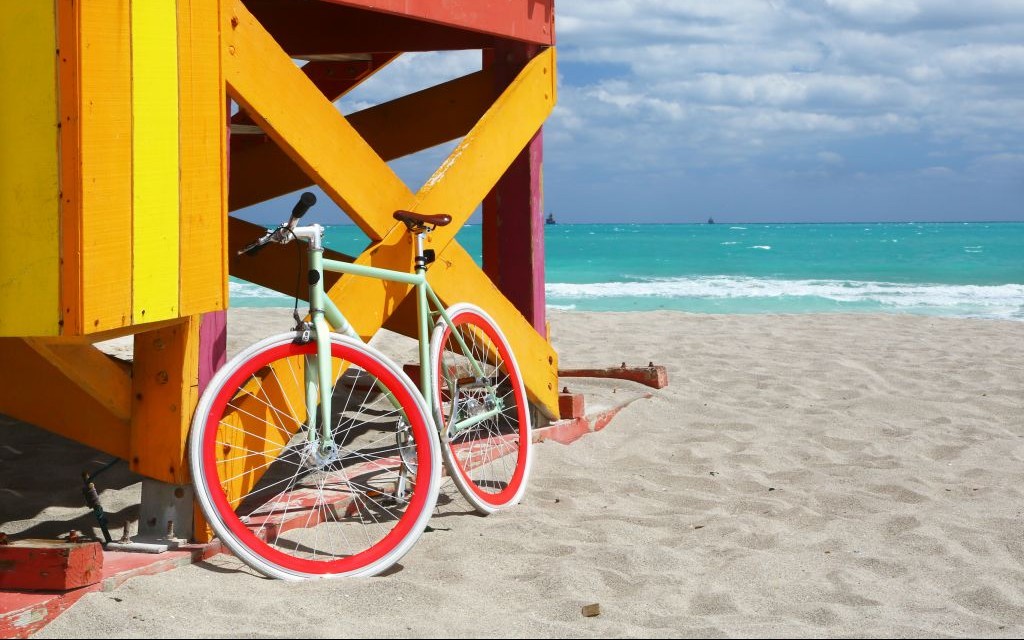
(801, 476)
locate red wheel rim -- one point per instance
(245, 535)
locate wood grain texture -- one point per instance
(203, 282)
(393, 129)
(165, 385)
(35, 390)
(29, 186)
(155, 153)
(293, 112)
(104, 209)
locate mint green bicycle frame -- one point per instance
(324, 312)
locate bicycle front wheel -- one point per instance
(293, 504)
(481, 408)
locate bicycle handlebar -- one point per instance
(283, 234)
(306, 200)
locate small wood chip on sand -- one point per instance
(591, 610)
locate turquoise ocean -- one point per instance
(948, 269)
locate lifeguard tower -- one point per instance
(121, 162)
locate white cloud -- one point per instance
(745, 81)
(658, 89)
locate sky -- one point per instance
(768, 110)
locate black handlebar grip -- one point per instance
(306, 201)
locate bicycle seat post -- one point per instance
(421, 260)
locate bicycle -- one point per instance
(303, 479)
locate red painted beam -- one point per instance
(49, 565)
(525, 20)
(213, 345)
(513, 212)
(319, 28)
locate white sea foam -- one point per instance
(1005, 301)
(740, 228)
(728, 243)
(766, 247)
(248, 290)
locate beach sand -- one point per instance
(855, 475)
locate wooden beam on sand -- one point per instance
(652, 375)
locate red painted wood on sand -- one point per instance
(23, 612)
(50, 565)
(570, 405)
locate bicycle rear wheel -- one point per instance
(484, 419)
(291, 508)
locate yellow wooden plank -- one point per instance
(455, 277)
(204, 279)
(155, 154)
(456, 188)
(478, 162)
(393, 129)
(37, 391)
(293, 112)
(104, 251)
(165, 384)
(29, 190)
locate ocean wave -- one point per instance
(243, 290)
(740, 228)
(1006, 300)
(766, 247)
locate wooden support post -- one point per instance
(213, 345)
(165, 387)
(513, 212)
(213, 341)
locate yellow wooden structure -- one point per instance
(115, 190)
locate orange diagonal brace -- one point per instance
(107, 381)
(455, 277)
(308, 128)
(297, 116)
(456, 188)
(394, 129)
(476, 164)
(61, 398)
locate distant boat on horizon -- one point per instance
(550, 219)
(711, 220)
